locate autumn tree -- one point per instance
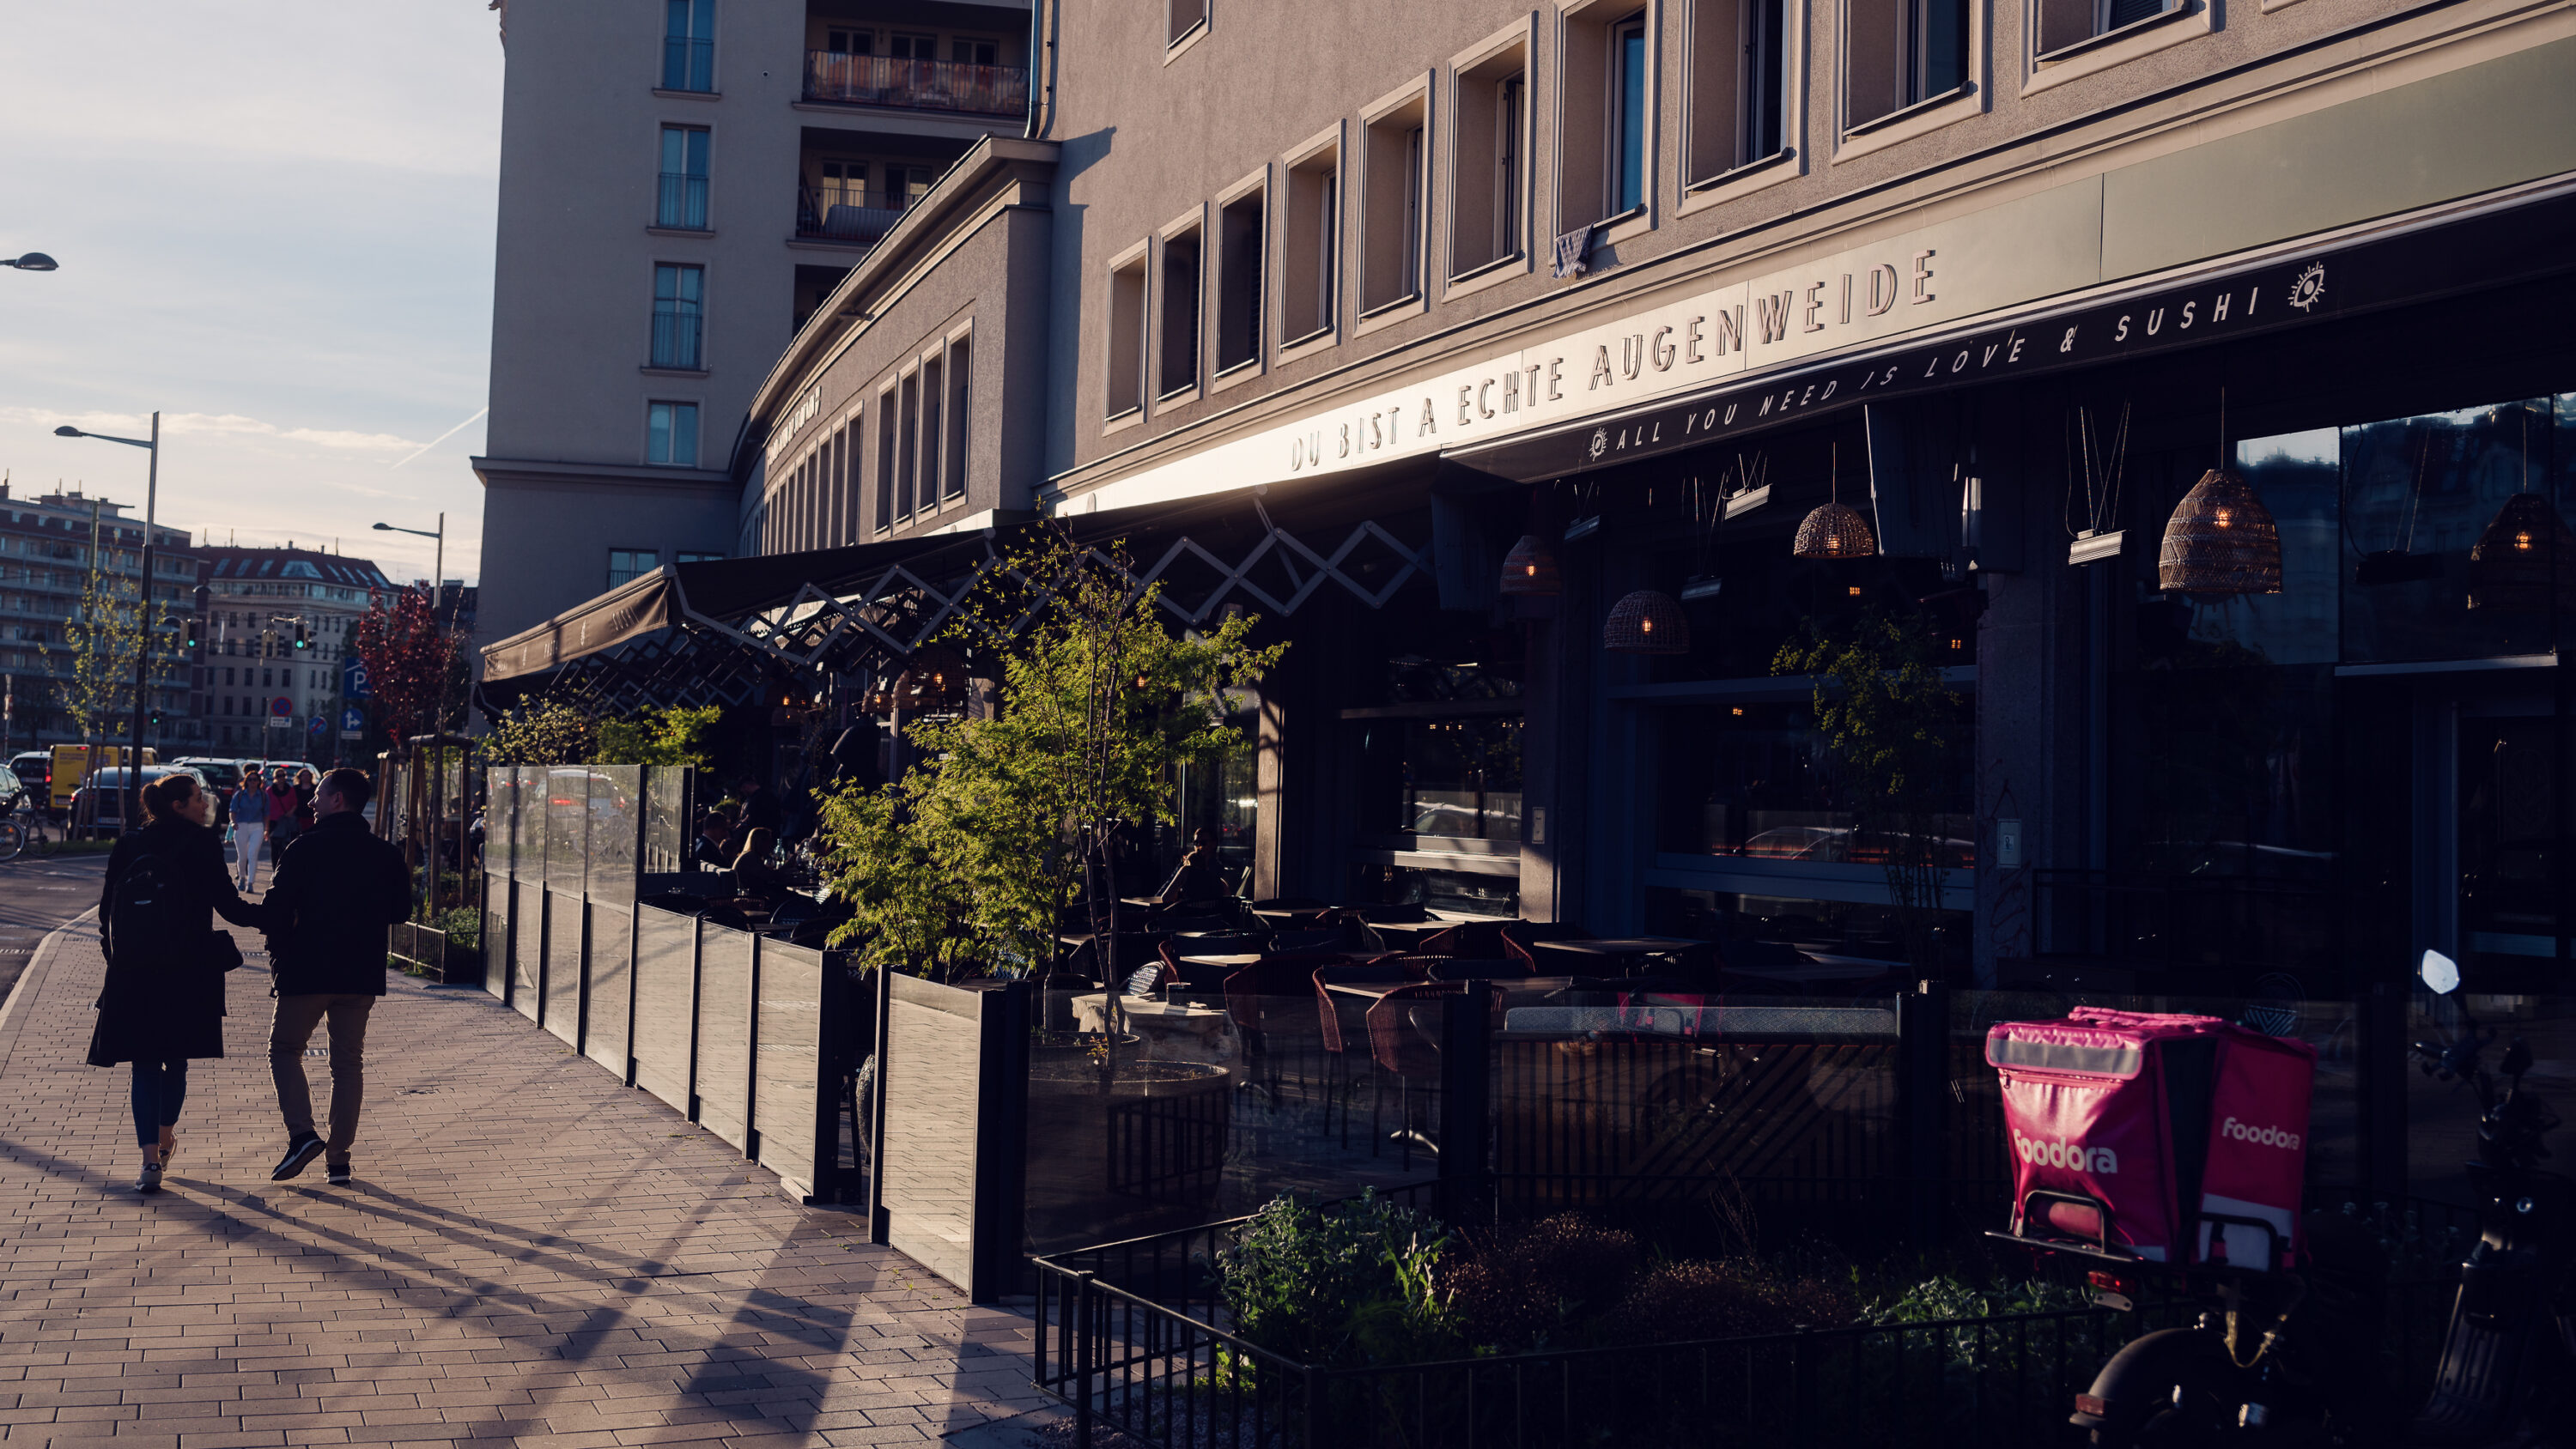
(407, 658)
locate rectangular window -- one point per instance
(961, 372)
(886, 430)
(692, 558)
(1239, 264)
(679, 297)
(1127, 336)
(850, 42)
(671, 434)
(1310, 250)
(1902, 53)
(1738, 93)
(2072, 22)
(966, 51)
(906, 185)
(1489, 184)
(1182, 17)
(1176, 366)
(1629, 116)
(625, 564)
(1605, 115)
(932, 433)
(682, 204)
(908, 451)
(689, 45)
(1391, 207)
(915, 47)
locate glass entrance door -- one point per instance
(2505, 812)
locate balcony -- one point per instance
(840, 214)
(916, 85)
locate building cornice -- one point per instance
(561, 473)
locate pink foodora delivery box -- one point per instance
(2180, 1139)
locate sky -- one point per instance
(274, 223)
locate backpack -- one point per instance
(146, 919)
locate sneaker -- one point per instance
(150, 1181)
(299, 1155)
(339, 1174)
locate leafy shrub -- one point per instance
(463, 925)
(1530, 1287)
(1734, 1298)
(1344, 1289)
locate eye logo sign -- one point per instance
(2259, 1136)
(2310, 288)
(2100, 1161)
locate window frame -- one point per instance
(1227, 263)
(1330, 242)
(1187, 231)
(1512, 47)
(705, 179)
(1126, 314)
(2176, 24)
(653, 359)
(1185, 23)
(1972, 97)
(633, 574)
(882, 495)
(1704, 183)
(1405, 186)
(711, 88)
(1584, 102)
(956, 447)
(697, 409)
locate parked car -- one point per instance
(33, 769)
(110, 785)
(222, 774)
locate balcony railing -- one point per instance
(682, 202)
(916, 85)
(840, 214)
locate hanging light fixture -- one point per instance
(1834, 531)
(1530, 569)
(2514, 563)
(2221, 539)
(1646, 622)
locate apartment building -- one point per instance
(279, 625)
(1733, 324)
(49, 546)
(681, 183)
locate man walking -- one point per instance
(336, 891)
(250, 828)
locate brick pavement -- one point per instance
(531, 1254)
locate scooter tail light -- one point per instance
(2089, 1404)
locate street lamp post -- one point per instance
(31, 262)
(430, 866)
(130, 815)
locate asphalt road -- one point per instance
(35, 897)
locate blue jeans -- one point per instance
(159, 1088)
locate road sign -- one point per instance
(281, 707)
(353, 678)
(281, 722)
(317, 727)
(353, 721)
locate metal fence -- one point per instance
(922, 85)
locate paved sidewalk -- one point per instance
(532, 1253)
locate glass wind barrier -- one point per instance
(567, 944)
(724, 1033)
(666, 820)
(789, 1095)
(666, 962)
(567, 800)
(934, 1037)
(616, 822)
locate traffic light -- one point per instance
(303, 637)
(156, 719)
(192, 636)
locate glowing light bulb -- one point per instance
(2222, 518)
(2522, 540)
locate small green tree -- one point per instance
(1893, 723)
(674, 735)
(93, 673)
(979, 852)
(541, 731)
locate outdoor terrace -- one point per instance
(915, 85)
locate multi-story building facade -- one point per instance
(258, 603)
(48, 546)
(681, 185)
(1327, 316)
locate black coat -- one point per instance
(151, 1011)
(336, 891)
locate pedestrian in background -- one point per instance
(337, 889)
(281, 812)
(250, 828)
(163, 1004)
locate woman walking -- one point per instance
(164, 1000)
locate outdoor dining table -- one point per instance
(1236, 961)
(1373, 990)
(1408, 933)
(1618, 947)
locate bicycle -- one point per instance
(25, 829)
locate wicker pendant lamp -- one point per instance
(1530, 569)
(2221, 539)
(1646, 622)
(1834, 531)
(2524, 556)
